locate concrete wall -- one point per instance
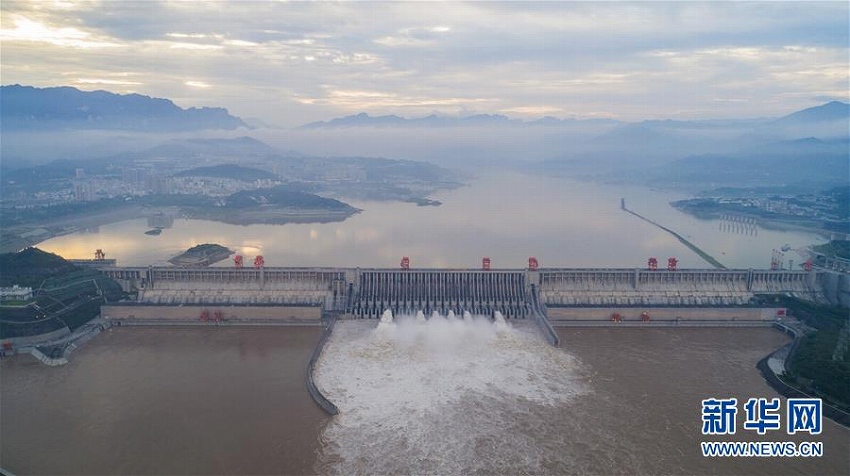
(294, 314)
(37, 339)
(662, 314)
(836, 287)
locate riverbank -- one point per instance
(18, 237)
(775, 364)
(270, 216)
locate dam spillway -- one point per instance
(408, 291)
(367, 292)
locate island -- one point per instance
(201, 255)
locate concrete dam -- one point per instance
(516, 293)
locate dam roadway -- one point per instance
(563, 294)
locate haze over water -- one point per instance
(504, 215)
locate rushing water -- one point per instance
(435, 396)
(506, 216)
(470, 396)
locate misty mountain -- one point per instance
(806, 162)
(808, 148)
(365, 120)
(46, 109)
(831, 111)
(212, 149)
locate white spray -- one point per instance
(421, 395)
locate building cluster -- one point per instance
(807, 206)
(15, 293)
(132, 182)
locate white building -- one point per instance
(16, 293)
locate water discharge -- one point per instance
(441, 395)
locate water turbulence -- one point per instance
(446, 394)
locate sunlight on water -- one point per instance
(439, 395)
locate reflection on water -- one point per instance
(505, 216)
(160, 220)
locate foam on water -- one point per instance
(444, 395)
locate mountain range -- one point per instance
(65, 108)
(831, 111)
(365, 120)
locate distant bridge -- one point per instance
(367, 292)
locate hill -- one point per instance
(65, 295)
(46, 109)
(232, 171)
(831, 111)
(31, 266)
(283, 196)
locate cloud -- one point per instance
(27, 30)
(629, 60)
(110, 82)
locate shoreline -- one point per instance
(767, 223)
(19, 237)
(781, 357)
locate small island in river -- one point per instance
(201, 255)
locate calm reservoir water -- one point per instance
(506, 216)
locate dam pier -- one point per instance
(563, 296)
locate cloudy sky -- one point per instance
(289, 63)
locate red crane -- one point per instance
(672, 263)
(485, 263)
(237, 261)
(532, 263)
(652, 264)
(259, 262)
(99, 254)
(405, 262)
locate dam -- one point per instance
(354, 293)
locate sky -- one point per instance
(290, 63)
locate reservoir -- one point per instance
(506, 216)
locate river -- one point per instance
(233, 401)
(506, 216)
